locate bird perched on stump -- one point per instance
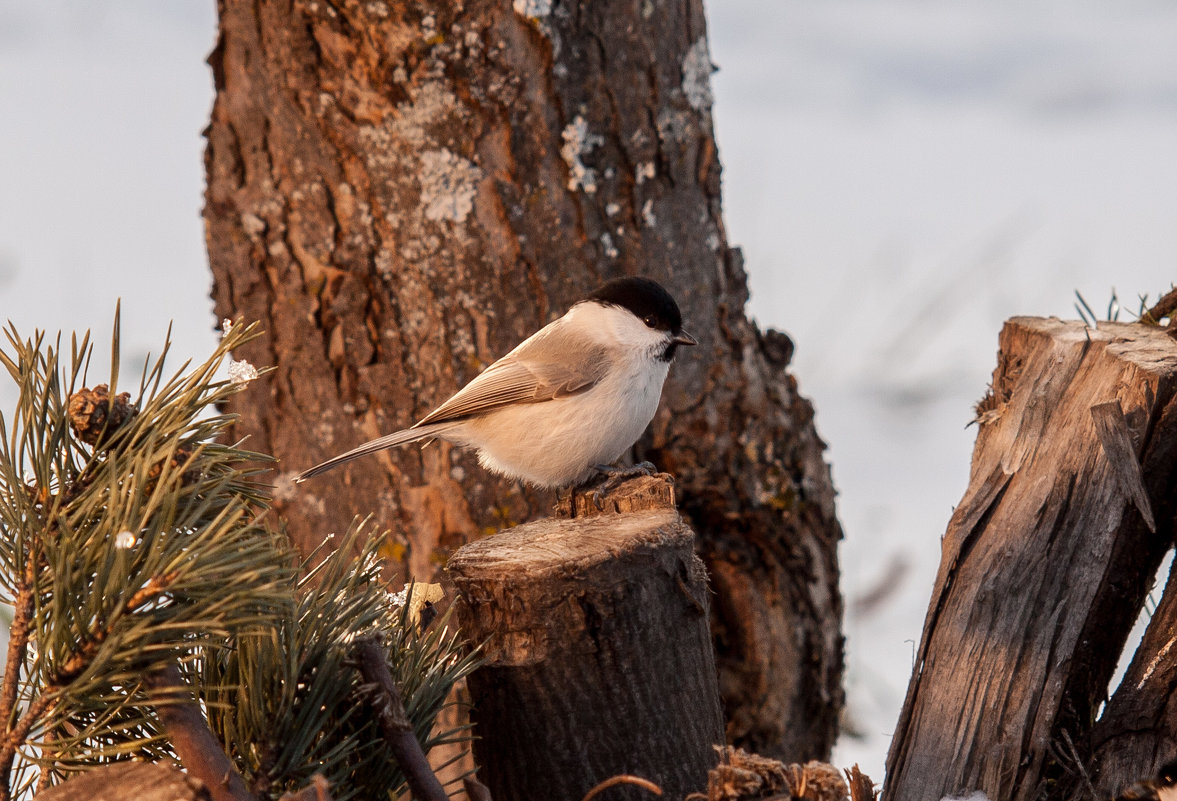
(569, 400)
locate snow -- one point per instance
(101, 174)
(915, 175)
(901, 176)
(241, 371)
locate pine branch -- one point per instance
(385, 699)
(317, 790)
(17, 736)
(18, 639)
(131, 537)
(18, 642)
(92, 641)
(303, 714)
(132, 544)
(199, 751)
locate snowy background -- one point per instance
(902, 177)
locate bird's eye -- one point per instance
(650, 320)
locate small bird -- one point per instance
(568, 400)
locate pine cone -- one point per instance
(94, 418)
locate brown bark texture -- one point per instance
(403, 192)
(1045, 565)
(1137, 732)
(384, 699)
(127, 781)
(599, 657)
(187, 730)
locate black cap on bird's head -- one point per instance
(650, 303)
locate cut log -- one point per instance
(1045, 563)
(129, 781)
(599, 656)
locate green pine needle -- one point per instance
(292, 695)
(134, 540)
(126, 555)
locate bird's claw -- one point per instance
(616, 476)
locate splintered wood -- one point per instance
(1045, 562)
(741, 776)
(645, 492)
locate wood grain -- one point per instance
(1045, 563)
(599, 657)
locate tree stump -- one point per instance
(599, 654)
(1045, 564)
(1137, 731)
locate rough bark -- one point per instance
(1045, 563)
(402, 192)
(599, 658)
(384, 698)
(1137, 732)
(140, 781)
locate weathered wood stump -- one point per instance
(129, 781)
(1045, 564)
(599, 654)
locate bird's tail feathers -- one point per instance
(387, 441)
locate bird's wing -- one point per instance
(529, 374)
(552, 363)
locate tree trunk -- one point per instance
(599, 659)
(402, 192)
(1045, 563)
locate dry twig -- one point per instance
(394, 723)
(861, 787)
(623, 778)
(199, 750)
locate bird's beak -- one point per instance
(683, 338)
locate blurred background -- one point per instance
(902, 177)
